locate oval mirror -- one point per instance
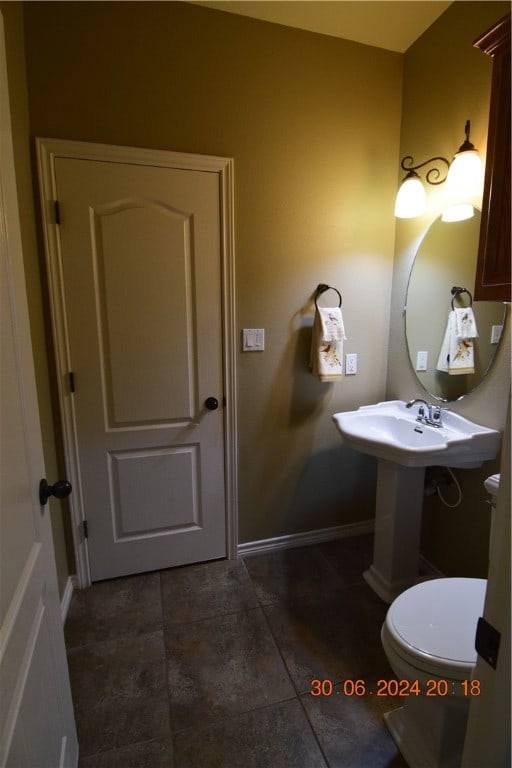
(446, 258)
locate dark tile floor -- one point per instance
(211, 665)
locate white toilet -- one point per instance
(429, 640)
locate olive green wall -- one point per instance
(312, 123)
(447, 81)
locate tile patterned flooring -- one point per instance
(210, 665)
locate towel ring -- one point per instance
(322, 288)
(456, 291)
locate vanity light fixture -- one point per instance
(411, 199)
(464, 179)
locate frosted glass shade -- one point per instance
(411, 199)
(458, 212)
(465, 176)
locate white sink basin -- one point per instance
(390, 431)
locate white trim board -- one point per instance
(66, 597)
(306, 538)
(320, 536)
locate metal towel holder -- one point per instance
(456, 291)
(322, 288)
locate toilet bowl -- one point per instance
(429, 639)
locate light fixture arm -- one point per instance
(433, 176)
(463, 177)
(467, 144)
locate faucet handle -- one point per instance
(436, 415)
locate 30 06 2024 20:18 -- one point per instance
(392, 687)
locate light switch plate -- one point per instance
(253, 339)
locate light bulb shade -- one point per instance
(411, 199)
(457, 212)
(465, 176)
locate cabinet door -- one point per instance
(493, 268)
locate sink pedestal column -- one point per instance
(398, 509)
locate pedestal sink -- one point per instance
(404, 446)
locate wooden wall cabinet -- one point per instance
(494, 256)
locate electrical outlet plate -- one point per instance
(350, 364)
(496, 333)
(421, 361)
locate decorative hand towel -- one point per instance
(331, 321)
(327, 344)
(465, 323)
(462, 358)
(457, 354)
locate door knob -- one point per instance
(211, 403)
(60, 490)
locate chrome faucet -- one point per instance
(414, 401)
(432, 415)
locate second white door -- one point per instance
(141, 281)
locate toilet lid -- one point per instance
(436, 620)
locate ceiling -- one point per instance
(385, 24)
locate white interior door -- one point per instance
(141, 281)
(36, 716)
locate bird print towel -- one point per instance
(326, 361)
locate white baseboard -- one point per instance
(66, 597)
(303, 539)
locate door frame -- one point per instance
(47, 152)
